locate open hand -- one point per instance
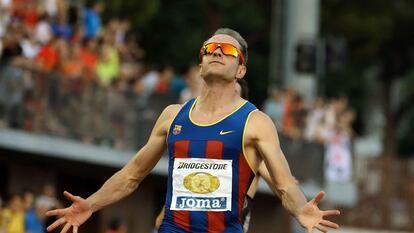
(312, 217)
(72, 216)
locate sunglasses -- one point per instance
(227, 49)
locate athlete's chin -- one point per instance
(214, 74)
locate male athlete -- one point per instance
(216, 143)
(243, 91)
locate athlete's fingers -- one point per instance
(66, 228)
(310, 230)
(329, 224)
(321, 228)
(56, 224)
(70, 196)
(318, 197)
(55, 212)
(75, 229)
(331, 212)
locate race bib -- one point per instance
(201, 184)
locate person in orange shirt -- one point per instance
(89, 58)
(48, 57)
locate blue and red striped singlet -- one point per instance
(208, 174)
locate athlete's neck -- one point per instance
(217, 97)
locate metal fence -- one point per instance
(76, 108)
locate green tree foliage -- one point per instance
(172, 31)
(138, 12)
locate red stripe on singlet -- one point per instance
(215, 220)
(244, 176)
(182, 217)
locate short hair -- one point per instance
(236, 36)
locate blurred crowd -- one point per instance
(64, 72)
(324, 121)
(25, 212)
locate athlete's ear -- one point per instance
(241, 71)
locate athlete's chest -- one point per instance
(202, 118)
(224, 137)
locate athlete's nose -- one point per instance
(218, 52)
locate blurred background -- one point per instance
(82, 83)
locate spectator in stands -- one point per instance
(29, 46)
(43, 30)
(12, 89)
(165, 76)
(35, 218)
(53, 8)
(287, 123)
(2, 230)
(71, 64)
(11, 47)
(274, 107)
(334, 108)
(4, 17)
(107, 68)
(30, 14)
(315, 121)
(28, 199)
(50, 7)
(92, 19)
(88, 56)
(48, 199)
(48, 57)
(48, 196)
(194, 84)
(177, 84)
(116, 108)
(299, 114)
(12, 216)
(338, 155)
(61, 28)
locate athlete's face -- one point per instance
(219, 65)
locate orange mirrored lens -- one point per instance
(210, 48)
(227, 49)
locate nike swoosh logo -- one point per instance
(226, 132)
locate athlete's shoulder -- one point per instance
(171, 110)
(261, 118)
(166, 117)
(259, 124)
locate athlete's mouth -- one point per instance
(216, 62)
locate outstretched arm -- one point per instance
(122, 183)
(262, 132)
(264, 173)
(125, 181)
